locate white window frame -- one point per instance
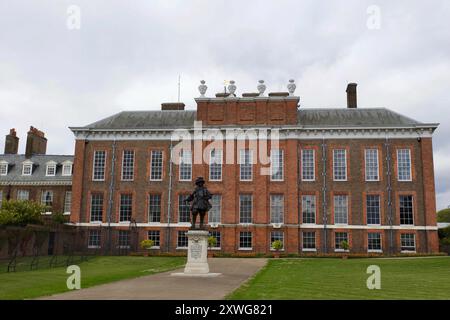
(67, 212)
(251, 239)
(334, 165)
(219, 207)
(51, 165)
(220, 163)
(381, 243)
(185, 165)
(273, 207)
(334, 208)
(67, 164)
(303, 241)
(271, 235)
(44, 192)
(313, 164)
(415, 243)
(27, 164)
(242, 162)
(104, 165)
(251, 209)
(304, 207)
(151, 165)
(23, 191)
(272, 155)
(366, 164)
(4, 168)
(410, 165)
(123, 165)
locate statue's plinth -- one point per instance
(197, 258)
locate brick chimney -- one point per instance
(172, 106)
(11, 142)
(351, 95)
(36, 142)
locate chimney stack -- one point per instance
(351, 95)
(172, 106)
(11, 142)
(36, 142)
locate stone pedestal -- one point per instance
(197, 258)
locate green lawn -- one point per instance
(405, 278)
(98, 270)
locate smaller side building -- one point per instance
(35, 175)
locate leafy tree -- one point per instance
(444, 236)
(21, 213)
(443, 215)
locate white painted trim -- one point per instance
(365, 166)
(314, 165)
(309, 250)
(374, 251)
(246, 249)
(410, 166)
(36, 183)
(93, 165)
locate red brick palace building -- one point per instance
(363, 175)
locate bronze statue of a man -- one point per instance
(200, 201)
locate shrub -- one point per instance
(277, 245)
(212, 241)
(146, 244)
(345, 245)
(443, 215)
(21, 213)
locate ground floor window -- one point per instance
(23, 195)
(94, 239)
(276, 235)
(155, 236)
(408, 241)
(124, 239)
(309, 241)
(216, 235)
(182, 240)
(374, 241)
(339, 237)
(245, 240)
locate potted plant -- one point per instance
(212, 241)
(277, 245)
(146, 245)
(345, 246)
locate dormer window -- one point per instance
(67, 168)
(51, 169)
(3, 168)
(27, 168)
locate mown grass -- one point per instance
(98, 270)
(404, 278)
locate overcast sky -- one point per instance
(127, 55)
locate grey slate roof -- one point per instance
(308, 117)
(15, 176)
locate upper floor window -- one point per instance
(128, 165)
(276, 165)
(245, 165)
(276, 208)
(373, 208)
(406, 209)
(215, 165)
(340, 209)
(308, 167)
(1, 198)
(372, 166)
(214, 214)
(339, 165)
(51, 169)
(185, 165)
(182, 239)
(3, 168)
(154, 208)
(217, 236)
(23, 195)
(245, 208)
(47, 198)
(67, 202)
(404, 164)
(99, 165)
(156, 165)
(184, 210)
(126, 207)
(67, 168)
(96, 207)
(309, 209)
(27, 168)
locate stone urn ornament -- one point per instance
(291, 87)
(232, 88)
(261, 87)
(202, 88)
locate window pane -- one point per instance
(128, 165)
(156, 165)
(23, 195)
(340, 164)
(67, 201)
(184, 210)
(309, 209)
(245, 240)
(276, 208)
(408, 242)
(406, 210)
(214, 213)
(99, 165)
(374, 241)
(339, 237)
(124, 239)
(309, 240)
(245, 208)
(371, 156)
(94, 239)
(155, 236)
(404, 164)
(276, 164)
(185, 165)
(215, 165)
(47, 198)
(275, 236)
(182, 240)
(373, 209)
(308, 169)
(217, 236)
(154, 208)
(126, 207)
(245, 162)
(341, 209)
(96, 207)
